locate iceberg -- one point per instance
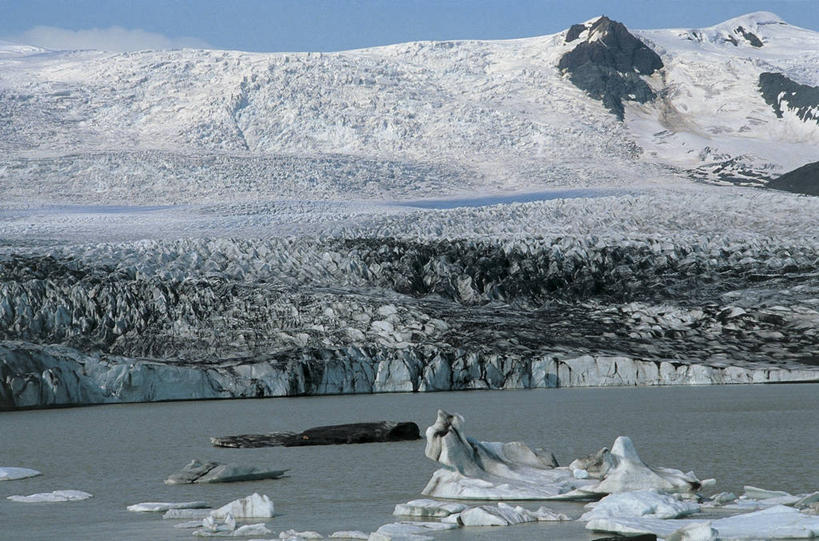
(622, 470)
(160, 507)
(186, 513)
(492, 470)
(56, 496)
(214, 472)
(428, 508)
(8, 473)
(640, 503)
(505, 515)
(777, 522)
(409, 531)
(253, 506)
(349, 534)
(293, 535)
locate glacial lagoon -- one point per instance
(763, 435)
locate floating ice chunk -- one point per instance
(158, 507)
(410, 531)
(491, 470)
(8, 473)
(699, 531)
(505, 515)
(186, 513)
(253, 506)
(640, 503)
(622, 470)
(293, 535)
(349, 534)
(212, 524)
(755, 493)
(777, 522)
(428, 508)
(213, 472)
(56, 496)
(247, 530)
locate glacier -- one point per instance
(214, 224)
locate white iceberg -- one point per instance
(186, 513)
(490, 470)
(640, 503)
(349, 534)
(622, 470)
(56, 496)
(505, 515)
(777, 522)
(426, 508)
(226, 527)
(253, 506)
(9, 473)
(160, 507)
(293, 535)
(409, 531)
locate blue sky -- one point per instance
(327, 25)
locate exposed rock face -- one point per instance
(327, 435)
(608, 64)
(783, 94)
(802, 180)
(749, 36)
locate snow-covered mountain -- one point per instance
(407, 120)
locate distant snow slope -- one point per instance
(410, 120)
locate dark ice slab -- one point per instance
(381, 431)
(608, 64)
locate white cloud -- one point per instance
(114, 38)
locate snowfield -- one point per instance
(192, 224)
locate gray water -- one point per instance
(765, 436)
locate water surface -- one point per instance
(759, 435)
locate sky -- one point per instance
(332, 25)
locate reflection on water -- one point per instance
(759, 435)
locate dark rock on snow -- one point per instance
(803, 100)
(802, 180)
(608, 64)
(382, 431)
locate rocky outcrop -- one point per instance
(783, 94)
(803, 180)
(608, 63)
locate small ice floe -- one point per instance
(226, 527)
(8, 473)
(490, 470)
(640, 503)
(505, 515)
(759, 498)
(293, 535)
(214, 472)
(253, 506)
(409, 531)
(777, 522)
(161, 507)
(186, 513)
(426, 508)
(349, 534)
(56, 496)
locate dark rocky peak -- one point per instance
(749, 36)
(607, 63)
(610, 43)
